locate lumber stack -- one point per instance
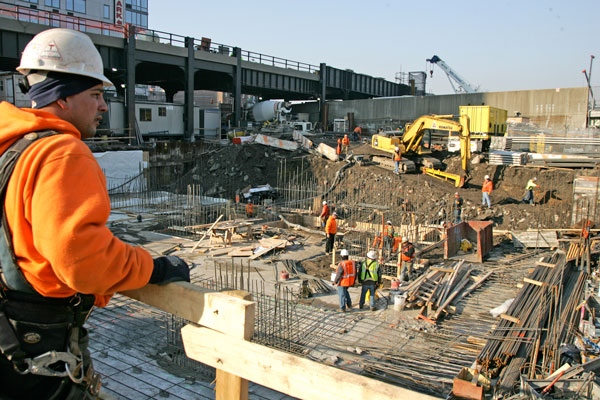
(502, 157)
(438, 289)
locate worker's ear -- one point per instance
(63, 104)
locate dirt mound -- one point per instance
(364, 189)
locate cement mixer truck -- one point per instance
(269, 111)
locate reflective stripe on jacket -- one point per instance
(349, 274)
(408, 252)
(388, 230)
(397, 156)
(346, 141)
(372, 267)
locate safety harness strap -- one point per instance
(13, 278)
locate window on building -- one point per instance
(128, 17)
(145, 114)
(55, 21)
(2, 90)
(106, 11)
(76, 5)
(144, 22)
(162, 111)
(32, 1)
(52, 3)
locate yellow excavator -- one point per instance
(410, 144)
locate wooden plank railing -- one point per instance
(227, 320)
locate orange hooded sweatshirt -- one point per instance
(57, 207)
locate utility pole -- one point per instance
(590, 94)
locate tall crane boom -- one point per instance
(463, 86)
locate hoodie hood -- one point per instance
(16, 122)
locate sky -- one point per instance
(494, 45)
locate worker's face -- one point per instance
(84, 110)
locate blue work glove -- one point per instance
(169, 269)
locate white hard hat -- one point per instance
(397, 148)
(372, 255)
(487, 177)
(344, 253)
(534, 178)
(404, 239)
(324, 202)
(63, 50)
(389, 222)
(456, 194)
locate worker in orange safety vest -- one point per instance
(345, 277)
(345, 144)
(407, 259)
(486, 190)
(338, 150)
(388, 237)
(397, 159)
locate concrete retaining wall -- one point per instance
(558, 109)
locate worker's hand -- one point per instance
(169, 269)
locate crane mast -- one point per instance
(463, 85)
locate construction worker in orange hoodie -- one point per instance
(330, 231)
(338, 150)
(345, 144)
(60, 259)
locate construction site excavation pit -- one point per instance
(192, 202)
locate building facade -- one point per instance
(108, 17)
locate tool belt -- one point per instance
(39, 335)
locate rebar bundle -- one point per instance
(537, 321)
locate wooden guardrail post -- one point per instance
(229, 386)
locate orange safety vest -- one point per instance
(345, 141)
(397, 155)
(388, 230)
(487, 186)
(249, 208)
(585, 232)
(406, 250)
(349, 275)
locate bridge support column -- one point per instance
(322, 111)
(130, 87)
(237, 88)
(188, 108)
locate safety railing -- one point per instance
(219, 333)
